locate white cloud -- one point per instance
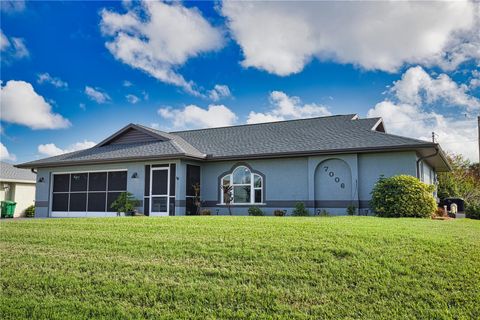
(218, 92)
(158, 37)
(133, 99)
(284, 107)
(475, 80)
(20, 49)
(282, 37)
(22, 105)
(4, 42)
(406, 112)
(12, 48)
(12, 6)
(195, 117)
(5, 155)
(97, 94)
(54, 81)
(50, 149)
(127, 83)
(417, 87)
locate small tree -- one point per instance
(125, 202)
(473, 210)
(227, 196)
(403, 196)
(300, 210)
(351, 210)
(463, 181)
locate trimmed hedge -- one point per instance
(403, 196)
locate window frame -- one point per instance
(68, 213)
(253, 174)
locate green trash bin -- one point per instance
(8, 208)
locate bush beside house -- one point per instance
(255, 211)
(300, 210)
(30, 211)
(280, 213)
(403, 196)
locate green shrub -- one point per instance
(279, 213)
(472, 210)
(125, 203)
(205, 212)
(403, 196)
(30, 211)
(324, 213)
(255, 211)
(300, 210)
(351, 210)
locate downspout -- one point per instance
(423, 158)
(33, 170)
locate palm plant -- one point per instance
(227, 197)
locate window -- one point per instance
(87, 191)
(247, 187)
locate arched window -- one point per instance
(246, 186)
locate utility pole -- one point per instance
(433, 134)
(478, 119)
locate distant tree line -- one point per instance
(463, 181)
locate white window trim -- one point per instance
(79, 213)
(251, 185)
(153, 214)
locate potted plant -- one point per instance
(125, 204)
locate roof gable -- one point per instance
(132, 133)
(322, 135)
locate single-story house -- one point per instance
(327, 163)
(17, 185)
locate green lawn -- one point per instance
(240, 267)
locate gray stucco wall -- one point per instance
(427, 173)
(134, 185)
(371, 166)
(286, 181)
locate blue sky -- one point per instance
(75, 72)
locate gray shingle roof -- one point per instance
(333, 134)
(295, 136)
(9, 173)
(181, 145)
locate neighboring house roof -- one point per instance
(8, 173)
(322, 135)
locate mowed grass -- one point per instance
(240, 267)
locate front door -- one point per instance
(159, 190)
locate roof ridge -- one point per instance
(265, 123)
(403, 137)
(173, 137)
